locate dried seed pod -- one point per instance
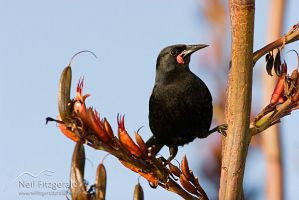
(278, 91)
(96, 126)
(185, 168)
(269, 65)
(78, 189)
(64, 90)
(101, 182)
(187, 185)
(174, 170)
(138, 192)
(277, 64)
(140, 142)
(108, 128)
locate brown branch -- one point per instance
(176, 188)
(149, 167)
(291, 36)
(270, 118)
(235, 145)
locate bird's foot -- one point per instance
(173, 150)
(220, 129)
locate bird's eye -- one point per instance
(174, 52)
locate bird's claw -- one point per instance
(173, 150)
(222, 129)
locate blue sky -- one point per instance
(38, 38)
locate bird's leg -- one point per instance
(173, 150)
(220, 129)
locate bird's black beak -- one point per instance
(192, 48)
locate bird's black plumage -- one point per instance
(180, 106)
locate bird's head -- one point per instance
(175, 58)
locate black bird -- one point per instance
(180, 106)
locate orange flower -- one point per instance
(125, 139)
